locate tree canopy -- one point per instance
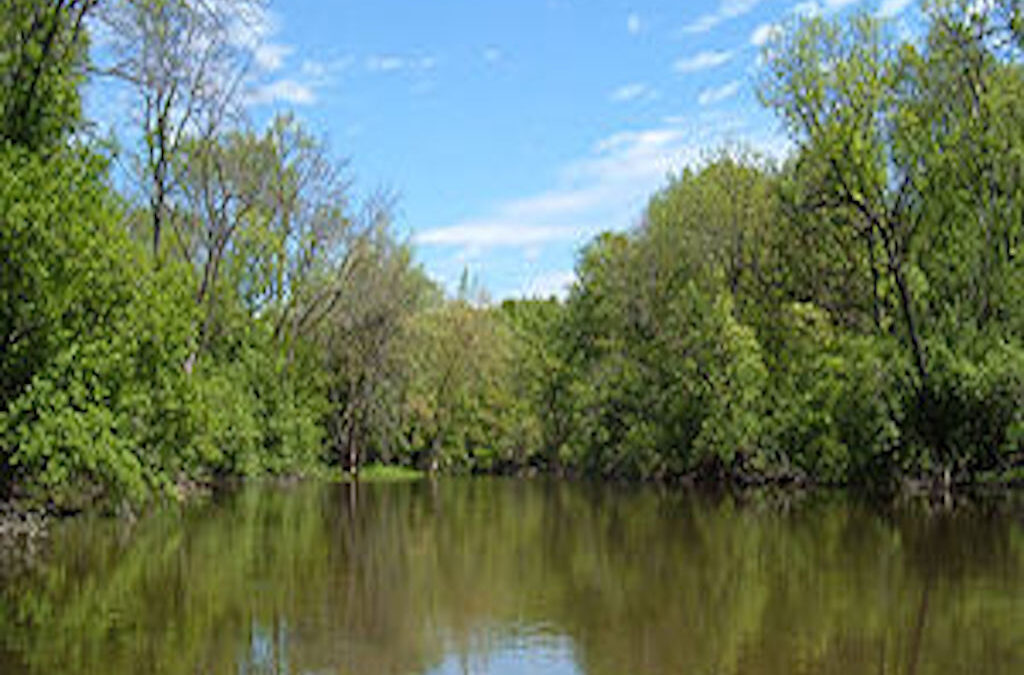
(231, 306)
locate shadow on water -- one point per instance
(505, 576)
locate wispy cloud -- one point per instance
(522, 222)
(702, 61)
(272, 81)
(727, 9)
(634, 91)
(606, 189)
(633, 24)
(481, 234)
(270, 57)
(384, 64)
(281, 91)
(819, 7)
(713, 95)
(387, 63)
(324, 68)
(300, 85)
(250, 24)
(764, 33)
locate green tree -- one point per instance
(94, 397)
(914, 151)
(184, 62)
(361, 339)
(43, 50)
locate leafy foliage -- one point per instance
(93, 390)
(42, 58)
(850, 315)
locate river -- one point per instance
(503, 577)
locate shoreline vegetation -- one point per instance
(200, 301)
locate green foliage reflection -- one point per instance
(394, 578)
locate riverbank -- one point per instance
(24, 527)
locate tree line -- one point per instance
(201, 299)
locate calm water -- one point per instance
(503, 577)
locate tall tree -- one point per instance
(361, 337)
(915, 151)
(184, 61)
(263, 221)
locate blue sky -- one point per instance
(513, 131)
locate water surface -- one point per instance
(505, 577)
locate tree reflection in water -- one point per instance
(502, 576)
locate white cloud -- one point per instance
(384, 64)
(702, 61)
(764, 33)
(490, 234)
(633, 24)
(249, 25)
(713, 95)
(606, 189)
(633, 92)
(819, 7)
(296, 85)
(387, 63)
(891, 8)
(727, 9)
(321, 69)
(253, 27)
(270, 56)
(624, 143)
(281, 91)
